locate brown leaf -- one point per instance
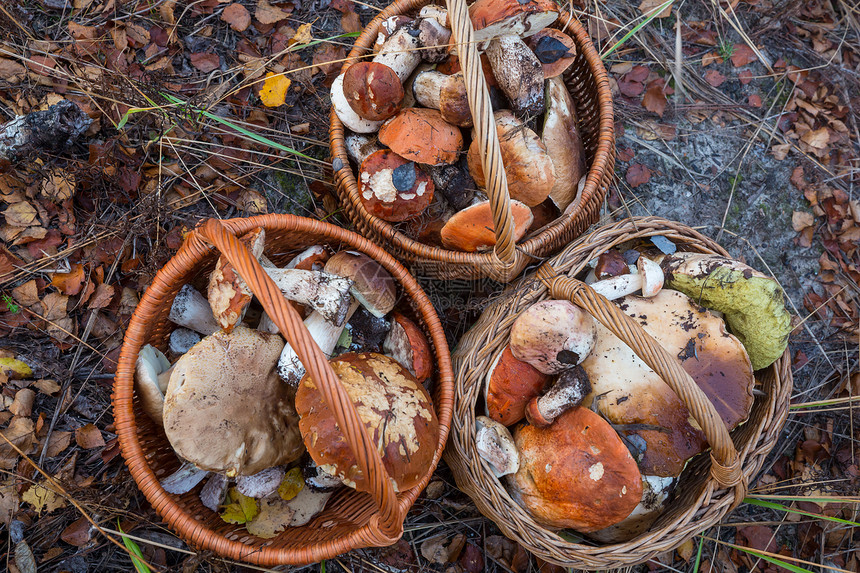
(21, 433)
(757, 537)
(471, 559)
(745, 76)
(237, 16)
(442, 549)
(654, 99)
(8, 263)
(104, 294)
(268, 14)
(629, 88)
(20, 214)
(55, 306)
(637, 174)
(138, 36)
(648, 7)
(742, 55)
(89, 437)
(27, 294)
(78, 533)
(685, 550)
(710, 58)
(818, 138)
(801, 220)
(22, 405)
(755, 101)
(715, 78)
(58, 186)
(9, 501)
(69, 283)
(349, 22)
(58, 442)
(328, 59)
(205, 62)
(11, 71)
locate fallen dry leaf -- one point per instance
(205, 62)
(21, 433)
(274, 90)
(58, 442)
(801, 220)
(268, 14)
(69, 283)
(14, 369)
(8, 501)
(26, 294)
(302, 35)
(104, 294)
(637, 174)
(742, 55)
(442, 549)
(654, 99)
(237, 16)
(58, 186)
(20, 214)
(55, 306)
(754, 101)
(648, 7)
(274, 516)
(89, 437)
(78, 533)
(43, 499)
(328, 59)
(817, 138)
(710, 58)
(22, 405)
(11, 71)
(715, 78)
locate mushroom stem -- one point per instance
(346, 114)
(434, 39)
(184, 479)
(326, 293)
(360, 147)
(447, 93)
(649, 280)
(518, 72)
(191, 310)
(151, 376)
(400, 53)
(437, 13)
(569, 390)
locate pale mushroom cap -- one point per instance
(492, 18)
(396, 410)
(552, 335)
(226, 409)
(632, 393)
(422, 136)
(373, 286)
(472, 228)
(563, 143)
(150, 363)
(496, 446)
(575, 473)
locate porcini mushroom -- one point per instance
(191, 310)
(552, 335)
(395, 408)
(372, 90)
(495, 445)
(472, 229)
(407, 345)
(226, 410)
(509, 386)
(569, 391)
(560, 136)
(454, 183)
(393, 188)
(655, 493)
(228, 294)
(529, 168)
(348, 117)
(401, 52)
(554, 49)
(421, 135)
(151, 376)
(447, 93)
(649, 280)
(575, 473)
(434, 39)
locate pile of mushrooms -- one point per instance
(589, 437)
(241, 413)
(409, 119)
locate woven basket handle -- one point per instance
(725, 463)
(485, 131)
(291, 326)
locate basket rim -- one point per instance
(189, 529)
(493, 500)
(603, 156)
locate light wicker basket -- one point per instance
(709, 487)
(351, 519)
(589, 87)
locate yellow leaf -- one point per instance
(43, 499)
(15, 369)
(303, 35)
(241, 508)
(20, 214)
(274, 90)
(292, 484)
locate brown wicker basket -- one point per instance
(589, 86)
(708, 488)
(351, 519)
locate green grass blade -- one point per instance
(698, 555)
(773, 560)
(134, 552)
(638, 27)
(322, 566)
(780, 507)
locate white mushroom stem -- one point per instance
(184, 479)
(182, 339)
(312, 251)
(518, 72)
(400, 53)
(496, 446)
(648, 279)
(360, 147)
(569, 390)
(346, 114)
(151, 376)
(435, 39)
(191, 310)
(326, 293)
(427, 87)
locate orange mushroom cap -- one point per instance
(510, 385)
(472, 228)
(393, 188)
(421, 135)
(554, 49)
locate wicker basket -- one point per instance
(351, 519)
(708, 488)
(589, 86)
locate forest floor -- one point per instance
(739, 119)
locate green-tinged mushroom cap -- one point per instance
(752, 303)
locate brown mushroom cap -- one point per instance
(493, 18)
(472, 228)
(226, 409)
(396, 410)
(373, 286)
(407, 344)
(393, 188)
(629, 392)
(554, 49)
(421, 135)
(528, 166)
(229, 296)
(372, 90)
(575, 473)
(510, 385)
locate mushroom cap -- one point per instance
(393, 188)
(575, 473)
(496, 446)
(553, 335)
(655, 493)
(493, 18)
(472, 229)
(509, 386)
(652, 276)
(529, 168)
(421, 135)
(627, 392)
(560, 135)
(554, 49)
(150, 363)
(229, 296)
(610, 264)
(373, 286)
(453, 101)
(395, 408)
(373, 90)
(407, 344)
(226, 409)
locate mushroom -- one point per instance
(344, 111)
(509, 386)
(261, 483)
(407, 345)
(454, 183)
(575, 473)
(649, 280)
(495, 445)
(438, 13)
(529, 169)
(401, 52)
(191, 310)
(610, 264)
(472, 229)
(395, 408)
(554, 49)
(655, 493)
(643, 407)
(311, 259)
(151, 374)
(372, 90)
(373, 287)
(181, 341)
(447, 93)
(500, 26)
(421, 135)
(434, 39)
(560, 135)
(229, 296)
(388, 27)
(552, 335)
(360, 147)
(214, 492)
(569, 391)
(393, 188)
(752, 302)
(226, 410)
